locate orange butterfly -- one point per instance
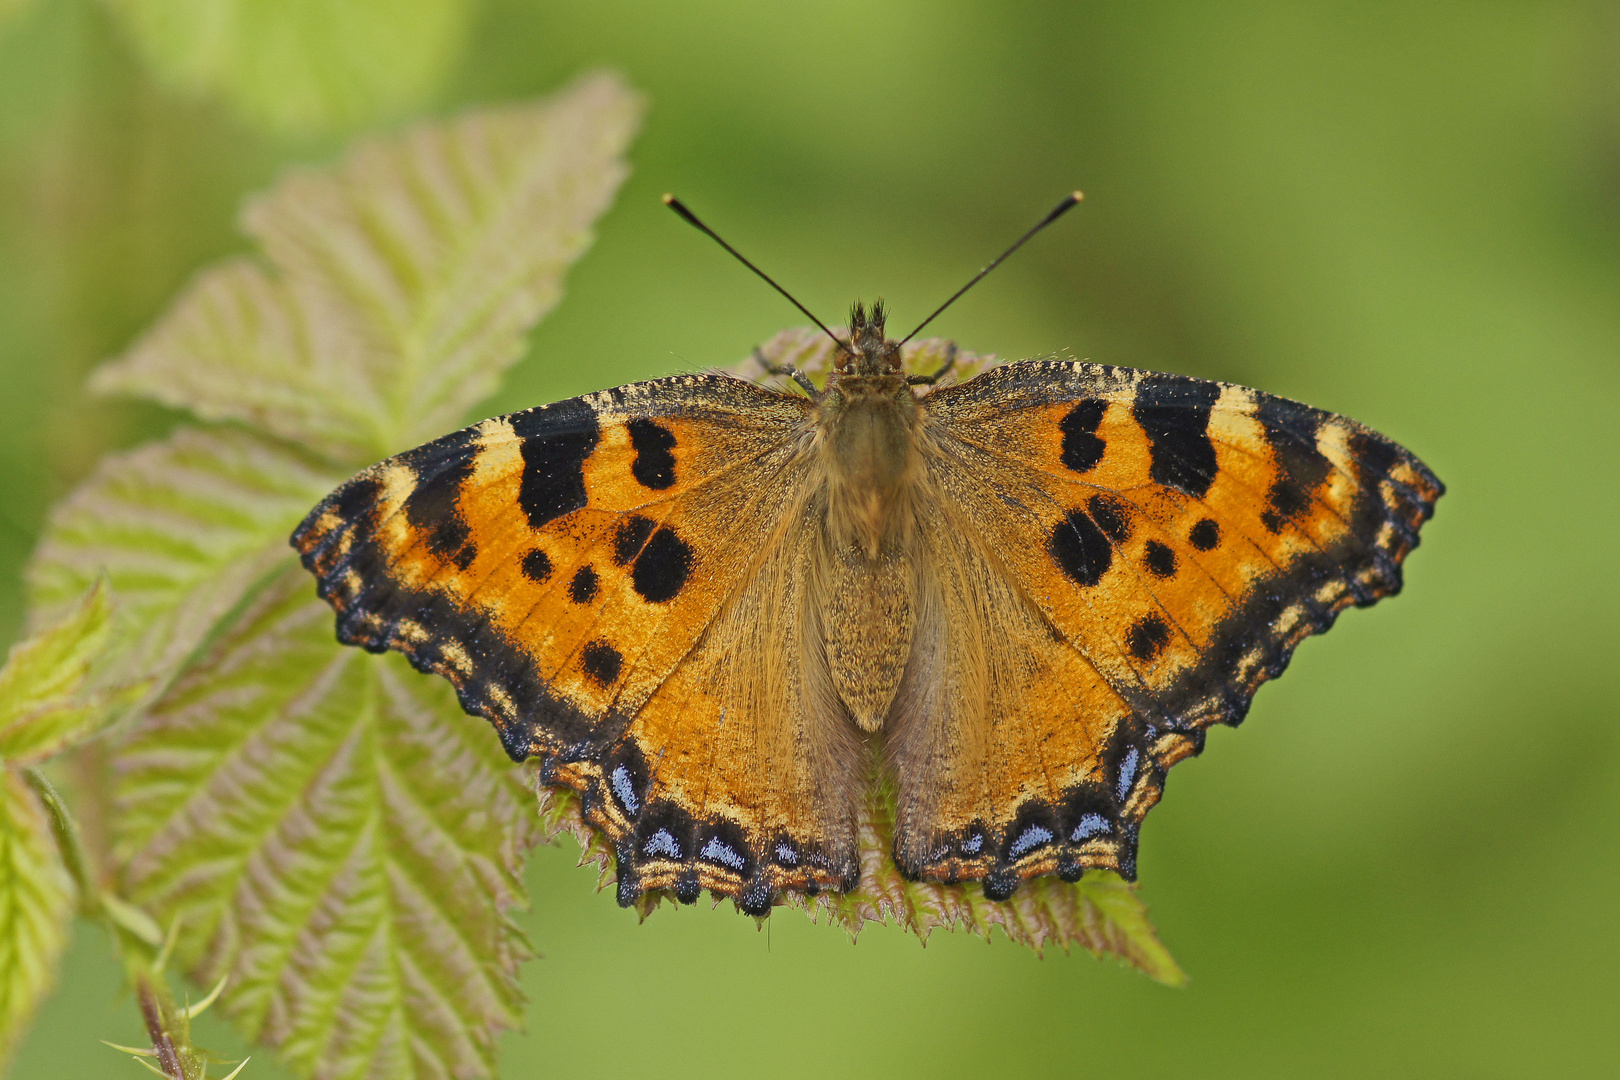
(718, 611)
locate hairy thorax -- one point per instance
(867, 436)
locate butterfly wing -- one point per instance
(751, 766)
(1190, 535)
(578, 572)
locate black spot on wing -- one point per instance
(1374, 454)
(1205, 535)
(1291, 430)
(464, 557)
(582, 589)
(537, 566)
(1082, 449)
(354, 502)
(654, 466)
(1147, 637)
(661, 570)
(630, 537)
(556, 442)
(1079, 548)
(434, 505)
(1375, 457)
(1111, 515)
(688, 886)
(503, 686)
(1088, 812)
(602, 662)
(1000, 884)
(1160, 559)
(1173, 412)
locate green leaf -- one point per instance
(327, 827)
(43, 703)
(183, 529)
(36, 901)
(337, 836)
(401, 282)
(299, 66)
(1100, 913)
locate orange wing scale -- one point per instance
(1187, 535)
(628, 585)
(560, 567)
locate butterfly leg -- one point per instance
(786, 369)
(944, 369)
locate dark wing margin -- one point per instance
(340, 542)
(1339, 512)
(548, 564)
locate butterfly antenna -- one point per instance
(692, 219)
(1057, 211)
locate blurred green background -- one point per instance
(1408, 861)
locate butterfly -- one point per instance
(719, 611)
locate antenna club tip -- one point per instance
(668, 199)
(1074, 196)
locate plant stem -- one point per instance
(68, 842)
(152, 1011)
(137, 947)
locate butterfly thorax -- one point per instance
(866, 425)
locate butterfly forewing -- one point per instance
(561, 567)
(1178, 538)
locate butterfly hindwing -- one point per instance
(1004, 740)
(565, 567)
(752, 766)
(1176, 538)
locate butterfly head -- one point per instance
(869, 350)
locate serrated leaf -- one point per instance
(338, 837)
(401, 282)
(301, 65)
(36, 901)
(43, 700)
(183, 529)
(1100, 913)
